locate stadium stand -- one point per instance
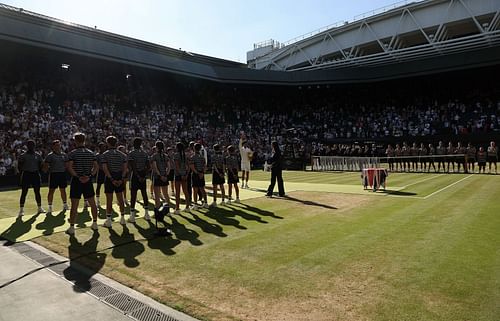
(49, 92)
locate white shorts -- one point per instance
(245, 166)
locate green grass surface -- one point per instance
(428, 248)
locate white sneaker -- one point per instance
(246, 185)
(131, 219)
(214, 204)
(187, 210)
(65, 207)
(122, 220)
(108, 222)
(40, 210)
(205, 205)
(242, 185)
(146, 215)
(177, 212)
(70, 230)
(194, 207)
(237, 201)
(94, 226)
(228, 201)
(223, 202)
(21, 212)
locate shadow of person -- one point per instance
(204, 225)
(233, 211)
(306, 202)
(83, 217)
(101, 212)
(126, 247)
(185, 234)
(165, 244)
(397, 193)
(223, 216)
(19, 228)
(51, 222)
(258, 211)
(83, 255)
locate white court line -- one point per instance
(406, 196)
(339, 173)
(420, 181)
(448, 186)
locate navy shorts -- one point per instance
(109, 187)
(157, 181)
(171, 175)
(101, 177)
(217, 179)
(30, 179)
(232, 178)
(58, 180)
(138, 181)
(198, 181)
(78, 189)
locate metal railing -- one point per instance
(461, 44)
(356, 18)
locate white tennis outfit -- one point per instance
(245, 153)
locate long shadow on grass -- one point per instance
(185, 234)
(291, 198)
(83, 217)
(223, 216)
(306, 202)
(155, 242)
(86, 254)
(19, 228)
(129, 252)
(204, 225)
(398, 193)
(257, 210)
(233, 211)
(51, 222)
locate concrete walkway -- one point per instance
(36, 284)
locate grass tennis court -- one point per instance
(428, 248)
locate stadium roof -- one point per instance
(31, 30)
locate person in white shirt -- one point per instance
(246, 156)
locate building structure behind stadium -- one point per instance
(409, 38)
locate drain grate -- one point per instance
(115, 298)
(151, 314)
(124, 302)
(101, 290)
(47, 261)
(59, 268)
(35, 255)
(21, 247)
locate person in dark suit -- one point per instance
(276, 171)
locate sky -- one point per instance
(219, 28)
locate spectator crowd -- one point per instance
(29, 111)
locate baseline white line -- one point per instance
(448, 186)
